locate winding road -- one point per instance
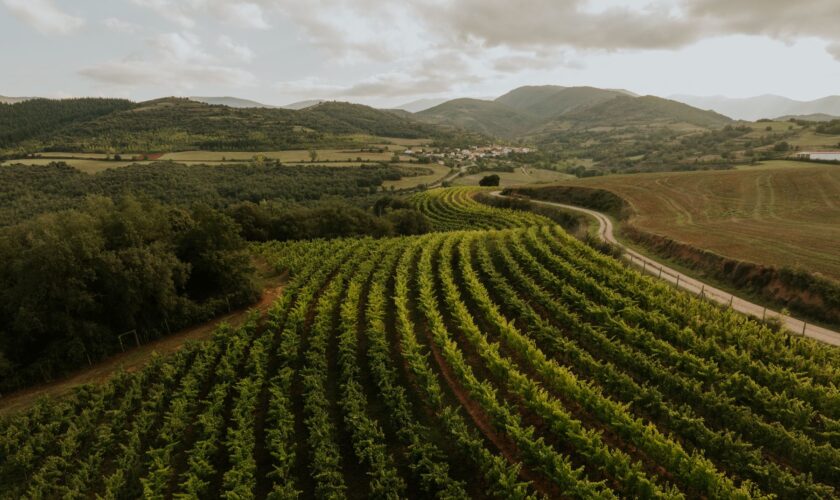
(693, 285)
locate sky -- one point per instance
(388, 53)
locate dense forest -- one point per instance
(157, 247)
(29, 119)
(29, 190)
(71, 280)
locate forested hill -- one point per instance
(171, 124)
(24, 120)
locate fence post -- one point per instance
(702, 290)
(678, 282)
(644, 265)
(804, 324)
(660, 272)
(764, 314)
(731, 298)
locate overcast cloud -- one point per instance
(383, 53)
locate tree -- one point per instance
(489, 180)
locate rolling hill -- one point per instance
(550, 101)
(172, 124)
(534, 110)
(645, 110)
(484, 117)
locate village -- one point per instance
(466, 154)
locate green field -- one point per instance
(300, 155)
(779, 213)
(91, 166)
(520, 176)
(508, 360)
(438, 173)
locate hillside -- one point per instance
(172, 124)
(507, 360)
(813, 117)
(549, 101)
(528, 111)
(476, 115)
(642, 111)
(38, 117)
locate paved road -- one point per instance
(605, 232)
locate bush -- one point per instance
(489, 180)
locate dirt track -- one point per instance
(693, 285)
(131, 360)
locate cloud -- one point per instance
(172, 11)
(518, 62)
(443, 73)
(184, 13)
(133, 73)
(44, 16)
(176, 60)
(120, 26)
(834, 50)
(240, 51)
(244, 15)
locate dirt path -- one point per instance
(133, 359)
(693, 285)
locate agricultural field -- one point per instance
(290, 156)
(523, 175)
(88, 166)
(438, 173)
(494, 357)
(779, 213)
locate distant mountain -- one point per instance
(814, 117)
(476, 115)
(233, 102)
(551, 101)
(303, 104)
(13, 100)
(420, 105)
(535, 110)
(765, 106)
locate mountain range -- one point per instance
(536, 109)
(765, 106)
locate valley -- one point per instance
(414, 337)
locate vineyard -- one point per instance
(495, 357)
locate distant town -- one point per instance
(473, 153)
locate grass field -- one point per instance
(779, 213)
(517, 177)
(85, 165)
(439, 172)
(297, 155)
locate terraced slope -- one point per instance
(506, 360)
